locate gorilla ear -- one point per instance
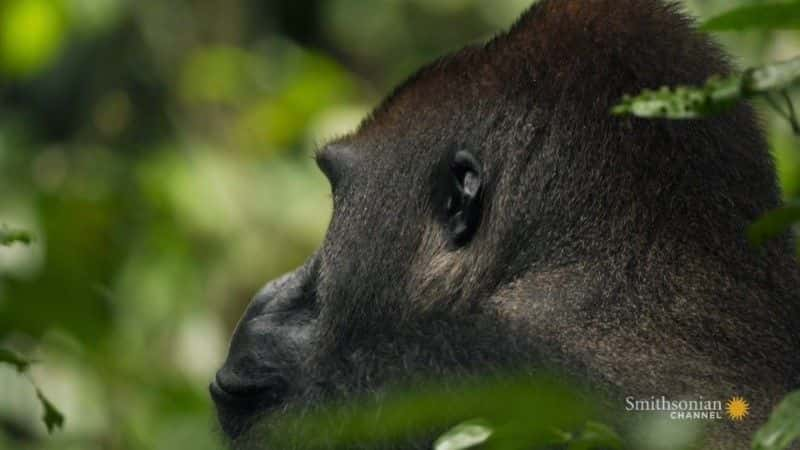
(463, 197)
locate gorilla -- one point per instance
(492, 214)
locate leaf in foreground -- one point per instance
(773, 224)
(783, 426)
(683, 102)
(594, 435)
(531, 409)
(463, 436)
(776, 16)
(715, 96)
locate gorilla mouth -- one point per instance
(237, 406)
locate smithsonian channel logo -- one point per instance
(735, 409)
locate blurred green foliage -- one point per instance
(515, 413)
(783, 427)
(769, 16)
(160, 153)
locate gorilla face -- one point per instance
(492, 215)
(358, 316)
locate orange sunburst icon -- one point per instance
(737, 408)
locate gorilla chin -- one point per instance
(491, 215)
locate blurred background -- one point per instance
(160, 153)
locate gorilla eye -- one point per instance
(335, 161)
(460, 187)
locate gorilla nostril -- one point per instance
(229, 389)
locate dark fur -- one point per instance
(612, 247)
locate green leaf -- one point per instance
(9, 236)
(783, 426)
(761, 17)
(530, 407)
(772, 77)
(714, 97)
(52, 417)
(465, 435)
(684, 102)
(595, 435)
(773, 224)
(15, 359)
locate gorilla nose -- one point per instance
(239, 398)
(230, 389)
(253, 372)
(266, 350)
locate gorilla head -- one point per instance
(492, 214)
